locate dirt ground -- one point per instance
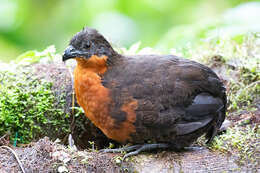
(46, 156)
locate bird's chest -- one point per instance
(98, 105)
(91, 95)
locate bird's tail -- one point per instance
(215, 124)
(206, 111)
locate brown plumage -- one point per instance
(160, 99)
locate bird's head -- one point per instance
(86, 44)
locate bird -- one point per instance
(150, 101)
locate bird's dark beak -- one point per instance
(69, 53)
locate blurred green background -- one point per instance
(36, 24)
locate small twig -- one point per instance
(72, 125)
(17, 158)
(2, 137)
(4, 140)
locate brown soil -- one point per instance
(47, 156)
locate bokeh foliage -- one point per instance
(35, 24)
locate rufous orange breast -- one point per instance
(95, 99)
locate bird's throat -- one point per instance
(94, 64)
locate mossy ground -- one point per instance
(238, 64)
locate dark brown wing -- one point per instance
(175, 96)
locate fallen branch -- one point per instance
(16, 157)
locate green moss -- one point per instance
(244, 141)
(28, 106)
(243, 94)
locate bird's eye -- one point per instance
(87, 45)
